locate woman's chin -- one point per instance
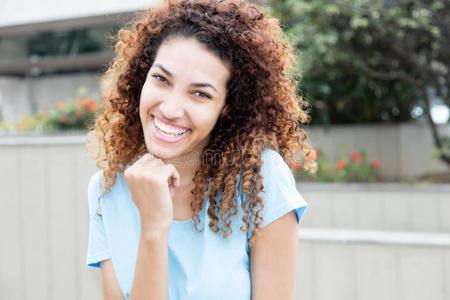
(163, 153)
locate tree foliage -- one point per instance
(370, 60)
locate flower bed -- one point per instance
(353, 167)
(74, 115)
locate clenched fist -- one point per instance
(151, 183)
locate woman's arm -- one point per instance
(111, 289)
(273, 260)
(151, 272)
(151, 184)
(150, 276)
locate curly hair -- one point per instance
(262, 107)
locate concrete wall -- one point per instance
(44, 227)
(14, 98)
(19, 96)
(44, 223)
(404, 149)
(48, 90)
(378, 206)
(366, 268)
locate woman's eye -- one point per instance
(159, 78)
(202, 94)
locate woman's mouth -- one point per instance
(166, 133)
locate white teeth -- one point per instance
(167, 134)
(167, 130)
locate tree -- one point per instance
(372, 49)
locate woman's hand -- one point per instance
(151, 183)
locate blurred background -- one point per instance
(376, 73)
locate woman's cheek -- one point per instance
(208, 118)
(149, 98)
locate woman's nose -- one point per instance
(172, 106)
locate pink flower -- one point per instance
(376, 163)
(297, 166)
(356, 157)
(340, 164)
(59, 104)
(91, 105)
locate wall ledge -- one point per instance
(24, 140)
(387, 187)
(399, 238)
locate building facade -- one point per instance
(50, 50)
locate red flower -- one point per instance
(91, 105)
(63, 118)
(297, 166)
(59, 104)
(356, 157)
(376, 163)
(340, 164)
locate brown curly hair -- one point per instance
(262, 108)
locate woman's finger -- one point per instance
(144, 160)
(175, 176)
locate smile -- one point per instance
(167, 133)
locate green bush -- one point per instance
(72, 115)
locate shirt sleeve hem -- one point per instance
(299, 208)
(94, 260)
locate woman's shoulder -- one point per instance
(270, 154)
(96, 187)
(273, 162)
(97, 180)
(97, 176)
(94, 192)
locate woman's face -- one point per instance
(182, 97)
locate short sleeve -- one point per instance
(97, 249)
(280, 194)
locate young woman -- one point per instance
(195, 198)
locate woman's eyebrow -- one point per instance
(204, 85)
(193, 84)
(163, 69)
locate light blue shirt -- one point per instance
(202, 265)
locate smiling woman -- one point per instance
(182, 89)
(197, 139)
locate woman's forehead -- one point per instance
(187, 58)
